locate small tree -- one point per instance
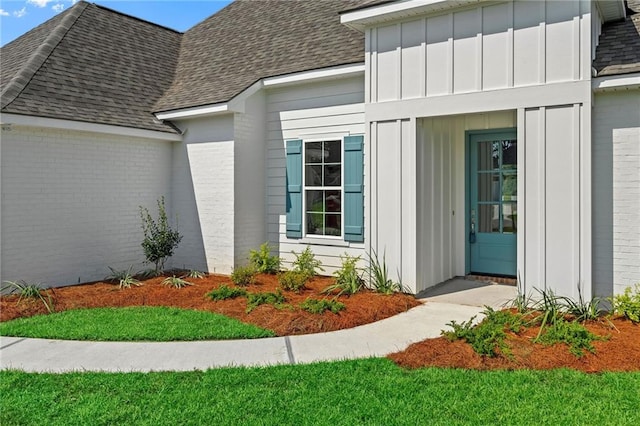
(159, 239)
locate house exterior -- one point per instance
(449, 137)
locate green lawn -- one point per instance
(130, 324)
(373, 391)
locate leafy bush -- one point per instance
(256, 299)
(243, 275)
(263, 261)
(160, 240)
(307, 263)
(124, 279)
(293, 280)
(225, 292)
(27, 290)
(488, 336)
(318, 306)
(380, 280)
(348, 277)
(176, 282)
(628, 303)
(572, 333)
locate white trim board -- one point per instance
(616, 82)
(81, 126)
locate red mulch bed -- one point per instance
(361, 308)
(620, 352)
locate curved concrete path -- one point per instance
(376, 339)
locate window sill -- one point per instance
(324, 242)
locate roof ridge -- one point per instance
(164, 27)
(40, 55)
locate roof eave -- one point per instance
(612, 10)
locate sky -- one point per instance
(19, 16)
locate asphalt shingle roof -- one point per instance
(250, 40)
(619, 49)
(91, 64)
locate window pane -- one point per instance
(332, 152)
(314, 223)
(332, 175)
(509, 218)
(313, 152)
(488, 155)
(315, 201)
(509, 154)
(313, 175)
(488, 187)
(489, 218)
(509, 187)
(332, 225)
(333, 201)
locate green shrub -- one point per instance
(307, 263)
(27, 290)
(160, 240)
(256, 299)
(488, 336)
(318, 306)
(175, 282)
(628, 303)
(293, 280)
(574, 334)
(243, 275)
(225, 292)
(348, 277)
(192, 273)
(380, 280)
(583, 310)
(124, 278)
(263, 261)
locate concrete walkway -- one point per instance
(460, 302)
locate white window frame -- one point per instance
(305, 188)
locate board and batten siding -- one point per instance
(322, 110)
(497, 46)
(70, 202)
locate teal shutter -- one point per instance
(353, 189)
(294, 188)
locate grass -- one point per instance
(369, 392)
(132, 324)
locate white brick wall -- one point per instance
(616, 163)
(70, 202)
(203, 194)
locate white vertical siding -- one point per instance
(554, 189)
(330, 109)
(495, 46)
(70, 202)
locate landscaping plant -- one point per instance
(628, 303)
(306, 262)
(124, 278)
(225, 292)
(267, 298)
(581, 309)
(263, 261)
(379, 276)
(27, 290)
(319, 306)
(348, 277)
(293, 280)
(192, 273)
(243, 275)
(175, 282)
(574, 334)
(160, 240)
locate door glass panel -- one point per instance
(488, 155)
(509, 187)
(509, 218)
(489, 218)
(509, 154)
(488, 187)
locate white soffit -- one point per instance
(616, 82)
(612, 10)
(8, 119)
(359, 19)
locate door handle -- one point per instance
(472, 232)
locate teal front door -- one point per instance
(492, 188)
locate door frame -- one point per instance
(467, 186)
